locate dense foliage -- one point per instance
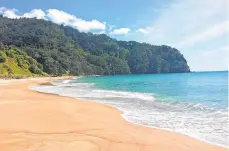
(16, 63)
(64, 50)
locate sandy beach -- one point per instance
(33, 121)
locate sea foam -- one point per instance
(192, 119)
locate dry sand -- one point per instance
(32, 121)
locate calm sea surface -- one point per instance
(194, 104)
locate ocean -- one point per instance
(194, 104)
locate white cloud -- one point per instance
(209, 33)
(120, 31)
(145, 30)
(35, 13)
(142, 30)
(10, 13)
(57, 16)
(2, 9)
(185, 18)
(61, 17)
(192, 26)
(88, 25)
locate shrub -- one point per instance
(20, 62)
(34, 69)
(2, 59)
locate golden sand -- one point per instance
(32, 121)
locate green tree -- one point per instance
(59, 50)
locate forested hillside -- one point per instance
(16, 63)
(59, 50)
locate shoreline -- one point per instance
(164, 129)
(122, 114)
(145, 131)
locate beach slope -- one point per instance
(32, 121)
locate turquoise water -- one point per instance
(194, 104)
(198, 87)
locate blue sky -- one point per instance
(198, 28)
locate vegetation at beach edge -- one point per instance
(17, 64)
(33, 47)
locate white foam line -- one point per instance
(123, 116)
(165, 129)
(170, 130)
